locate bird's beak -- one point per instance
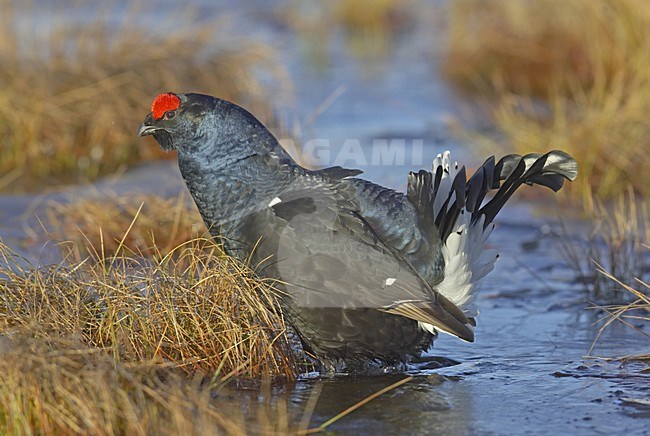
(146, 127)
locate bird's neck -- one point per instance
(225, 190)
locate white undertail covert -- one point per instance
(466, 260)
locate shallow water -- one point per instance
(526, 373)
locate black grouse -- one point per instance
(369, 273)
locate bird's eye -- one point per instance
(170, 114)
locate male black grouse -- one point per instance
(369, 273)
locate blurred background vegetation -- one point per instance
(570, 75)
(72, 94)
(544, 74)
(548, 74)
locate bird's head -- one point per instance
(176, 119)
(201, 125)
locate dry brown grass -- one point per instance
(62, 387)
(194, 310)
(586, 60)
(614, 238)
(73, 95)
(125, 345)
(635, 314)
(128, 337)
(141, 224)
(58, 386)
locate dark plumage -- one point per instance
(369, 273)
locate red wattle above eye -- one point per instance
(163, 103)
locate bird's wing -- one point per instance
(316, 241)
(441, 225)
(396, 219)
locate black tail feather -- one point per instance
(548, 170)
(479, 184)
(445, 221)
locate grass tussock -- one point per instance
(63, 387)
(75, 90)
(126, 336)
(616, 233)
(194, 310)
(568, 75)
(141, 224)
